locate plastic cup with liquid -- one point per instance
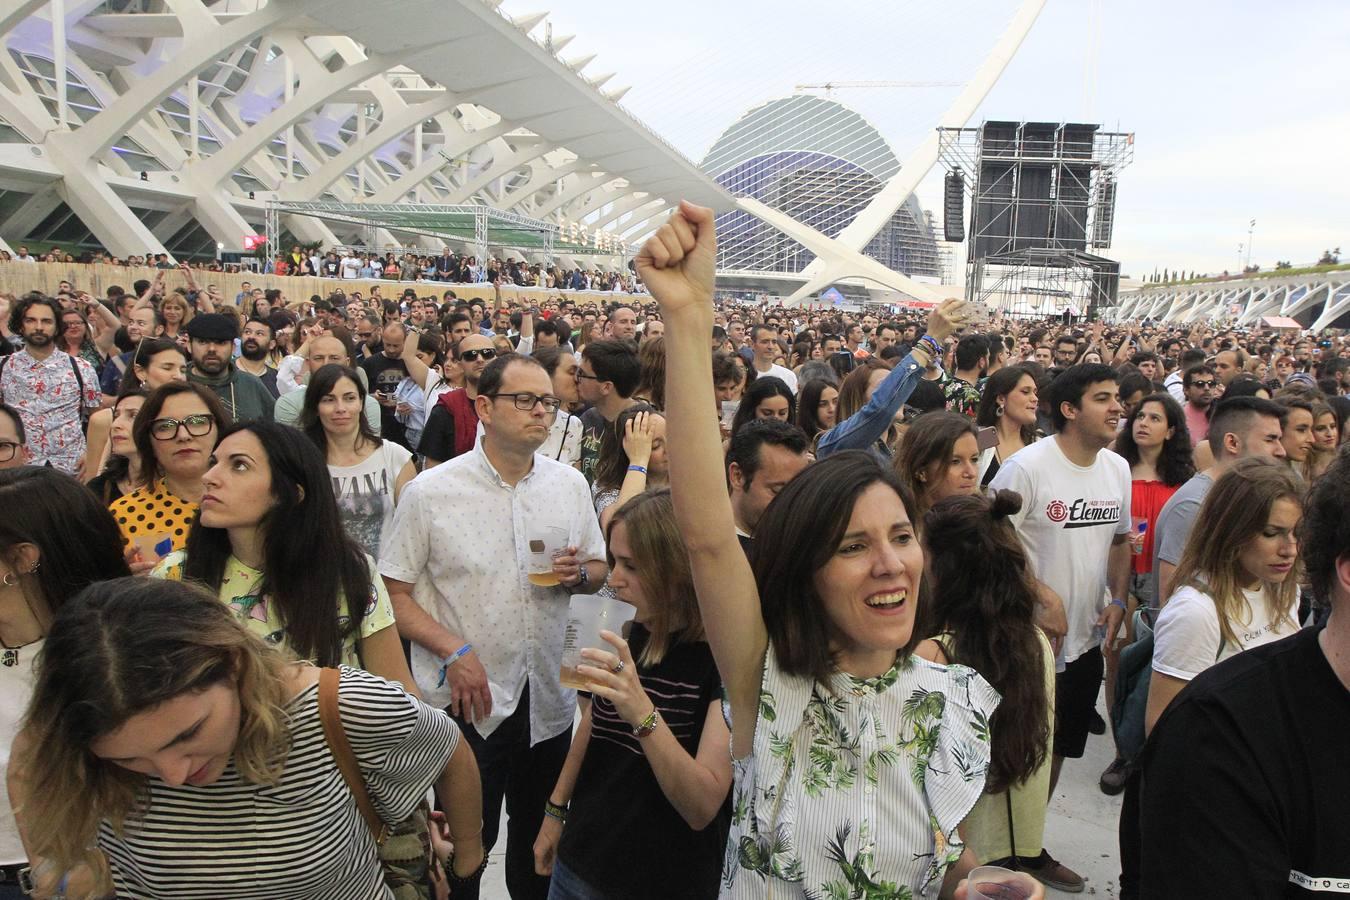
(546, 543)
(997, 883)
(1138, 529)
(587, 616)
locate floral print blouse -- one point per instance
(854, 789)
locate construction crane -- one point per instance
(830, 86)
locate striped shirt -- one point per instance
(303, 837)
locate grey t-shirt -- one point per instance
(1174, 524)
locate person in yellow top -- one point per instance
(268, 515)
(174, 434)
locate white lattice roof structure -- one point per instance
(166, 125)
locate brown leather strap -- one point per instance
(341, 748)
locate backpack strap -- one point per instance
(79, 382)
(336, 736)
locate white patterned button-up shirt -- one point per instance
(461, 537)
(47, 395)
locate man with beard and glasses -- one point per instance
(211, 342)
(256, 346)
(52, 391)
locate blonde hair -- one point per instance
(118, 649)
(1235, 511)
(178, 298)
(663, 564)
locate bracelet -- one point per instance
(647, 725)
(448, 661)
(931, 345)
(642, 469)
(454, 879)
(554, 811)
(1117, 602)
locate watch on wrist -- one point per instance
(583, 578)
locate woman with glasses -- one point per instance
(156, 362)
(13, 453)
(174, 433)
(77, 338)
(368, 473)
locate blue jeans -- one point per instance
(565, 885)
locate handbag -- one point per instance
(405, 847)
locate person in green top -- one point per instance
(267, 512)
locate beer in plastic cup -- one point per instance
(152, 547)
(587, 615)
(996, 883)
(546, 543)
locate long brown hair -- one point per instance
(663, 563)
(983, 598)
(853, 392)
(118, 649)
(1234, 512)
(924, 453)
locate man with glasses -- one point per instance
(1200, 386)
(452, 424)
(606, 379)
(54, 392)
(461, 594)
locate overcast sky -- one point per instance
(1240, 108)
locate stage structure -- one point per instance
(476, 226)
(1042, 202)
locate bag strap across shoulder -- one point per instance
(341, 748)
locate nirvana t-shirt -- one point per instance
(365, 494)
(1245, 780)
(618, 805)
(1070, 515)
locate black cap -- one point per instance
(213, 327)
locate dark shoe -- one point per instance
(1097, 725)
(1052, 873)
(1113, 779)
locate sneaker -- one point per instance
(1113, 779)
(1052, 873)
(1097, 725)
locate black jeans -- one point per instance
(523, 776)
(1131, 836)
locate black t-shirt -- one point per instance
(592, 426)
(438, 435)
(384, 375)
(1246, 779)
(330, 267)
(623, 837)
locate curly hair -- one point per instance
(1176, 464)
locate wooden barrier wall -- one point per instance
(20, 277)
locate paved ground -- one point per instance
(1080, 832)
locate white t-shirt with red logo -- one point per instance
(1070, 515)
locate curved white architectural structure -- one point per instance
(155, 126)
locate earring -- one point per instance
(9, 580)
(998, 410)
(36, 565)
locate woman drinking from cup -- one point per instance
(649, 766)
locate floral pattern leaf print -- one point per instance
(855, 787)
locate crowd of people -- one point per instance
(275, 622)
(353, 263)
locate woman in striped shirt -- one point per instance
(175, 755)
(649, 766)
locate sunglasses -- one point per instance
(471, 355)
(1202, 384)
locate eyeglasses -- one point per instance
(471, 355)
(8, 449)
(1202, 384)
(581, 375)
(526, 402)
(197, 425)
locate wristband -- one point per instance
(554, 811)
(647, 725)
(1117, 602)
(642, 469)
(448, 661)
(931, 345)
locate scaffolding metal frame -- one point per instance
(1021, 280)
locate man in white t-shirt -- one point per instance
(766, 349)
(350, 266)
(1074, 524)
